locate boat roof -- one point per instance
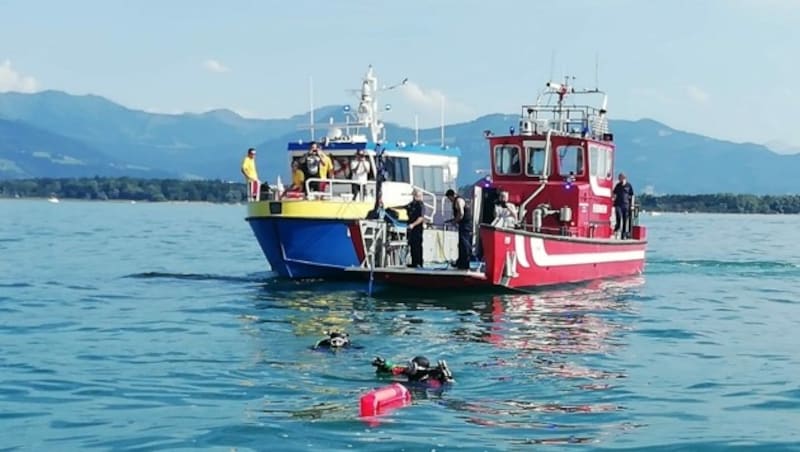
(370, 146)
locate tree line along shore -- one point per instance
(218, 191)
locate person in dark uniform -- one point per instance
(415, 228)
(623, 203)
(462, 218)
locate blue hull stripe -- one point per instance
(305, 248)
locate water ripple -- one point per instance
(179, 346)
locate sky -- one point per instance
(724, 68)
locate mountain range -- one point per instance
(55, 134)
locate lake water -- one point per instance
(157, 326)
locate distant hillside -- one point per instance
(26, 151)
(188, 145)
(677, 162)
(105, 136)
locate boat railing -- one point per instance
(444, 206)
(253, 191)
(566, 118)
(339, 189)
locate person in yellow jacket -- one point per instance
(298, 182)
(250, 174)
(325, 169)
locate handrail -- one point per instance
(250, 196)
(545, 174)
(338, 182)
(431, 205)
(443, 201)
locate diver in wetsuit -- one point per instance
(418, 371)
(334, 340)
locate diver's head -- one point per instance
(334, 339)
(338, 339)
(417, 368)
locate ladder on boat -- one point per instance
(385, 245)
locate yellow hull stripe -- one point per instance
(333, 210)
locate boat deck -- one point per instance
(436, 276)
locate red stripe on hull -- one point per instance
(358, 241)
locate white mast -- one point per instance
(367, 114)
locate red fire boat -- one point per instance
(557, 174)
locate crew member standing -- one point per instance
(462, 218)
(250, 174)
(505, 212)
(415, 228)
(623, 203)
(359, 169)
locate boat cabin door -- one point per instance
(483, 202)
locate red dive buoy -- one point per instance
(382, 400)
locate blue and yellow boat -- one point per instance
(319, 233)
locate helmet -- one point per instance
(417, 364)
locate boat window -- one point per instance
(570, 160)
(600, 161)
(506, 160)
(430, 178)
(397, 169)
(536, 159)
(594, 160)
(609, 164)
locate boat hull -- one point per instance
(305, 248)
(520, 259)
(423, 278)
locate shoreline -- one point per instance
(117, 201)
(642, 217)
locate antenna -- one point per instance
(416, 129)
(442, 119)
(311, 102)
(596, 70)
(552, 62)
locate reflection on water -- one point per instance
(538, 361)
(184, 347)
(560, 321)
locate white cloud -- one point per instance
(652, 95)
(11, 80)
(215, 66)
(430, 101)
(697, 94)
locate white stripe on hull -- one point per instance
(541, 258)
(520, 249)
(597, 189)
